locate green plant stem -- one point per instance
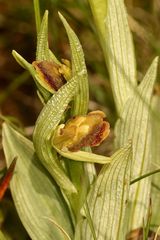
(144, 176)
(89, 218)
(37, 14)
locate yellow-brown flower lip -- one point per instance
(82, 131)
(49, 73)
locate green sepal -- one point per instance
(47, 121)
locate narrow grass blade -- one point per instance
(144, 176)
(155, 193)
(135, 124)
(34, 192)
(108, 197)
(66, 236)
(47, 121)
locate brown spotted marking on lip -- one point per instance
(100, 133)
(49, 72)
(82, 131)
(94, 138)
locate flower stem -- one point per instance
(37, 14)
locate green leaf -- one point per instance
(120, 53)
(107, 198)
(155, 193)
(111, 18)
(35, 194)
(135, 124)
(47, 121)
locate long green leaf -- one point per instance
(107, 198)
(155, 196)
(47, 121)
(35, 194)
(117, 47)
(135, 124)
(120, 53)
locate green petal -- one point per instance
(43, 52)
(26, 65)
(40, 85)
(42, 39)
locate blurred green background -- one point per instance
(18, 96)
